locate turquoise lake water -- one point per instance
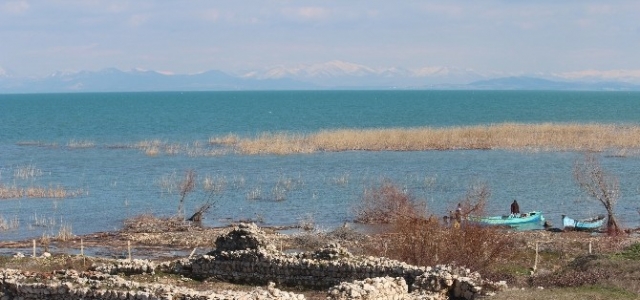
(84, 142)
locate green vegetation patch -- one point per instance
(593, 292)
(632, 252)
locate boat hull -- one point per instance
(511, 220)
(591, 224)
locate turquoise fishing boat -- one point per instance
(511, 220)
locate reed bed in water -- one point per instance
(12, 192)
(510, 136)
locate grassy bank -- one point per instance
(510, 136)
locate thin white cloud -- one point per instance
(14, 7)
(307, 13)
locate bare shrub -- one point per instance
(386, 204)
(599, 185)
(475, 199)
(198, 215)
(412, 237)
(187, 186)
(426, 242)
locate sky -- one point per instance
(569, 37)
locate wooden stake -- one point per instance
(84, 259)
(192, 252)
(34, 248)
(589, 247)
(535, 264)
(129, 247)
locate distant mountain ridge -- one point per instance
(114, 80)
(330, 75)
(532, 83)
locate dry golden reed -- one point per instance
(80, 144)
(12, 192)
(508, 136)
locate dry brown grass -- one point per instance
(511, 136)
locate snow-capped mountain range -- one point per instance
(334, 73)
(329, 75)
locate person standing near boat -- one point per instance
(515, 208)
(458, 216)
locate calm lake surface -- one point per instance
(87, 142)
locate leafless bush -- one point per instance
(187, 186)
(600, 185)
(427, 242)
(413, 237)
(386, 204)
(475, 199)
(198, 216)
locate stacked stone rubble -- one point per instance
(72, 285)
(125, 266)
(235, 260)
(380, 288)
(245, 255)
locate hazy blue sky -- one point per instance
(506, 36)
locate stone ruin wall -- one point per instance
(245, 256)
